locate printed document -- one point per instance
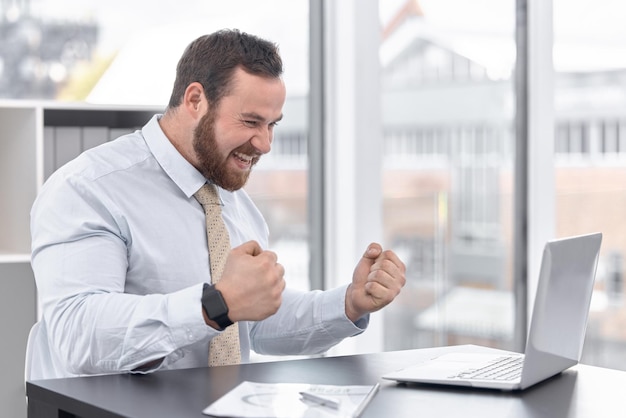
(292, 400)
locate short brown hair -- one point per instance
(212, 59)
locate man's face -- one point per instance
(230, 138)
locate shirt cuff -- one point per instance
(334, 313)
(185, 316)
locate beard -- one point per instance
(210, 162)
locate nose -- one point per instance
(262, 141)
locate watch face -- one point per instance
(215, 305)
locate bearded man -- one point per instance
(121, 239)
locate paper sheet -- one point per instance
(283, 400)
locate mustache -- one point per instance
(248, 149)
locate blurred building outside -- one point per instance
(448, 115)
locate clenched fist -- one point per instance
(252, 283)
(377, 280)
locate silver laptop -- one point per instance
(556, 334)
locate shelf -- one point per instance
(7, 258)
(36, 138)
(18, 175)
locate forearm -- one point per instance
(306, 323)
(108, 332)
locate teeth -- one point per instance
(243, 157)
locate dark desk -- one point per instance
(582, 391)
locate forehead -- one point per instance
(255, 94)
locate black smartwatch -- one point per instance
(214, 306)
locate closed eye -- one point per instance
(252, 120)
(255, 123)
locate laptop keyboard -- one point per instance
(502, 368)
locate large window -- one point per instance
(125, 53)
(446, 73)
(448, 132)
(590, 163)
(119, 52)
(448, 118)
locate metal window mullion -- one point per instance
(315, 146)
(534, 218)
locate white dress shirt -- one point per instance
(119, 251)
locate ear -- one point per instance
(194, 100)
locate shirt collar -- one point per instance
(185, 175)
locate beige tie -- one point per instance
(223, 349)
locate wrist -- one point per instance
(214, 308)
(351, 312)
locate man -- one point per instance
(119, 243)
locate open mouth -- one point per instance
(245, 161)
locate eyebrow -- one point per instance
(258, 117)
